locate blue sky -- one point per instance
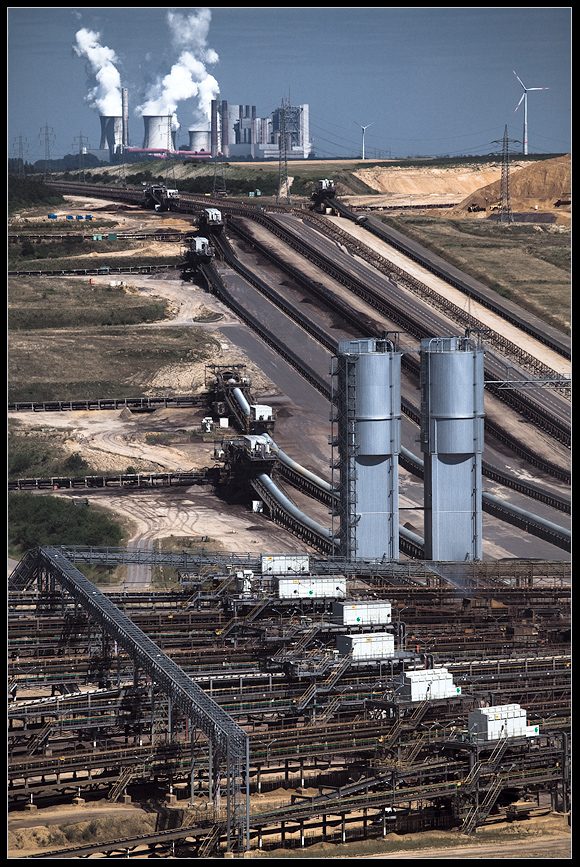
(431, 80)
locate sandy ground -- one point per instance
(478, 311)
(405, 187)
(546, 836)
(113, 440)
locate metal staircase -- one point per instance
(39, 738)
(335, 674)
(479, 812)
(257, 609)
(124, 779)
(210, 842)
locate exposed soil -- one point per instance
(541, 187)
(543, 836)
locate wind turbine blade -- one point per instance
(519, 79)
(538, 88)
(520, 102)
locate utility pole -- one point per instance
(505, 206)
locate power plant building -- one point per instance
(237, 131)
(232, 131)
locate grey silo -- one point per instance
(452, 440)
(367, 397)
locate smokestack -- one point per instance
(158, 133)
(225, 129)
(214, 127)
(125, 116)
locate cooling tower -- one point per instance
(452, 434)
(199, 140)
(111, 133)
(367, 396)
(158, 132)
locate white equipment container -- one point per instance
(261, 412)
(492, 723)
(361, 613)
(307, 587)
(285, 564)
(427, 684)
(375, 645)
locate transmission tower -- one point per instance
(505, 205)
(22, 145)
(283, 185)
(47, 135)
(83, 145)
(219, 183)
(170, 162)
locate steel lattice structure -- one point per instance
(49, 566)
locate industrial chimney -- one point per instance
(225, 129)
(125, 117)
(452, 434)
(214, 127)
(367, 397)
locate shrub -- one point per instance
(35, 521)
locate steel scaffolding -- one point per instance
(227, 741)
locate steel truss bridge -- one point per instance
(225, 741)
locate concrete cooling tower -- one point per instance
(199, 140)
(111, 133)
(158, 133)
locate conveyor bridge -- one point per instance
(50, 567)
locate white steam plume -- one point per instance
(188, 77)
(105, 96)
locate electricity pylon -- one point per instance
(505, 205)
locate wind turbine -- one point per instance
(524, 97)
(363, 136)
